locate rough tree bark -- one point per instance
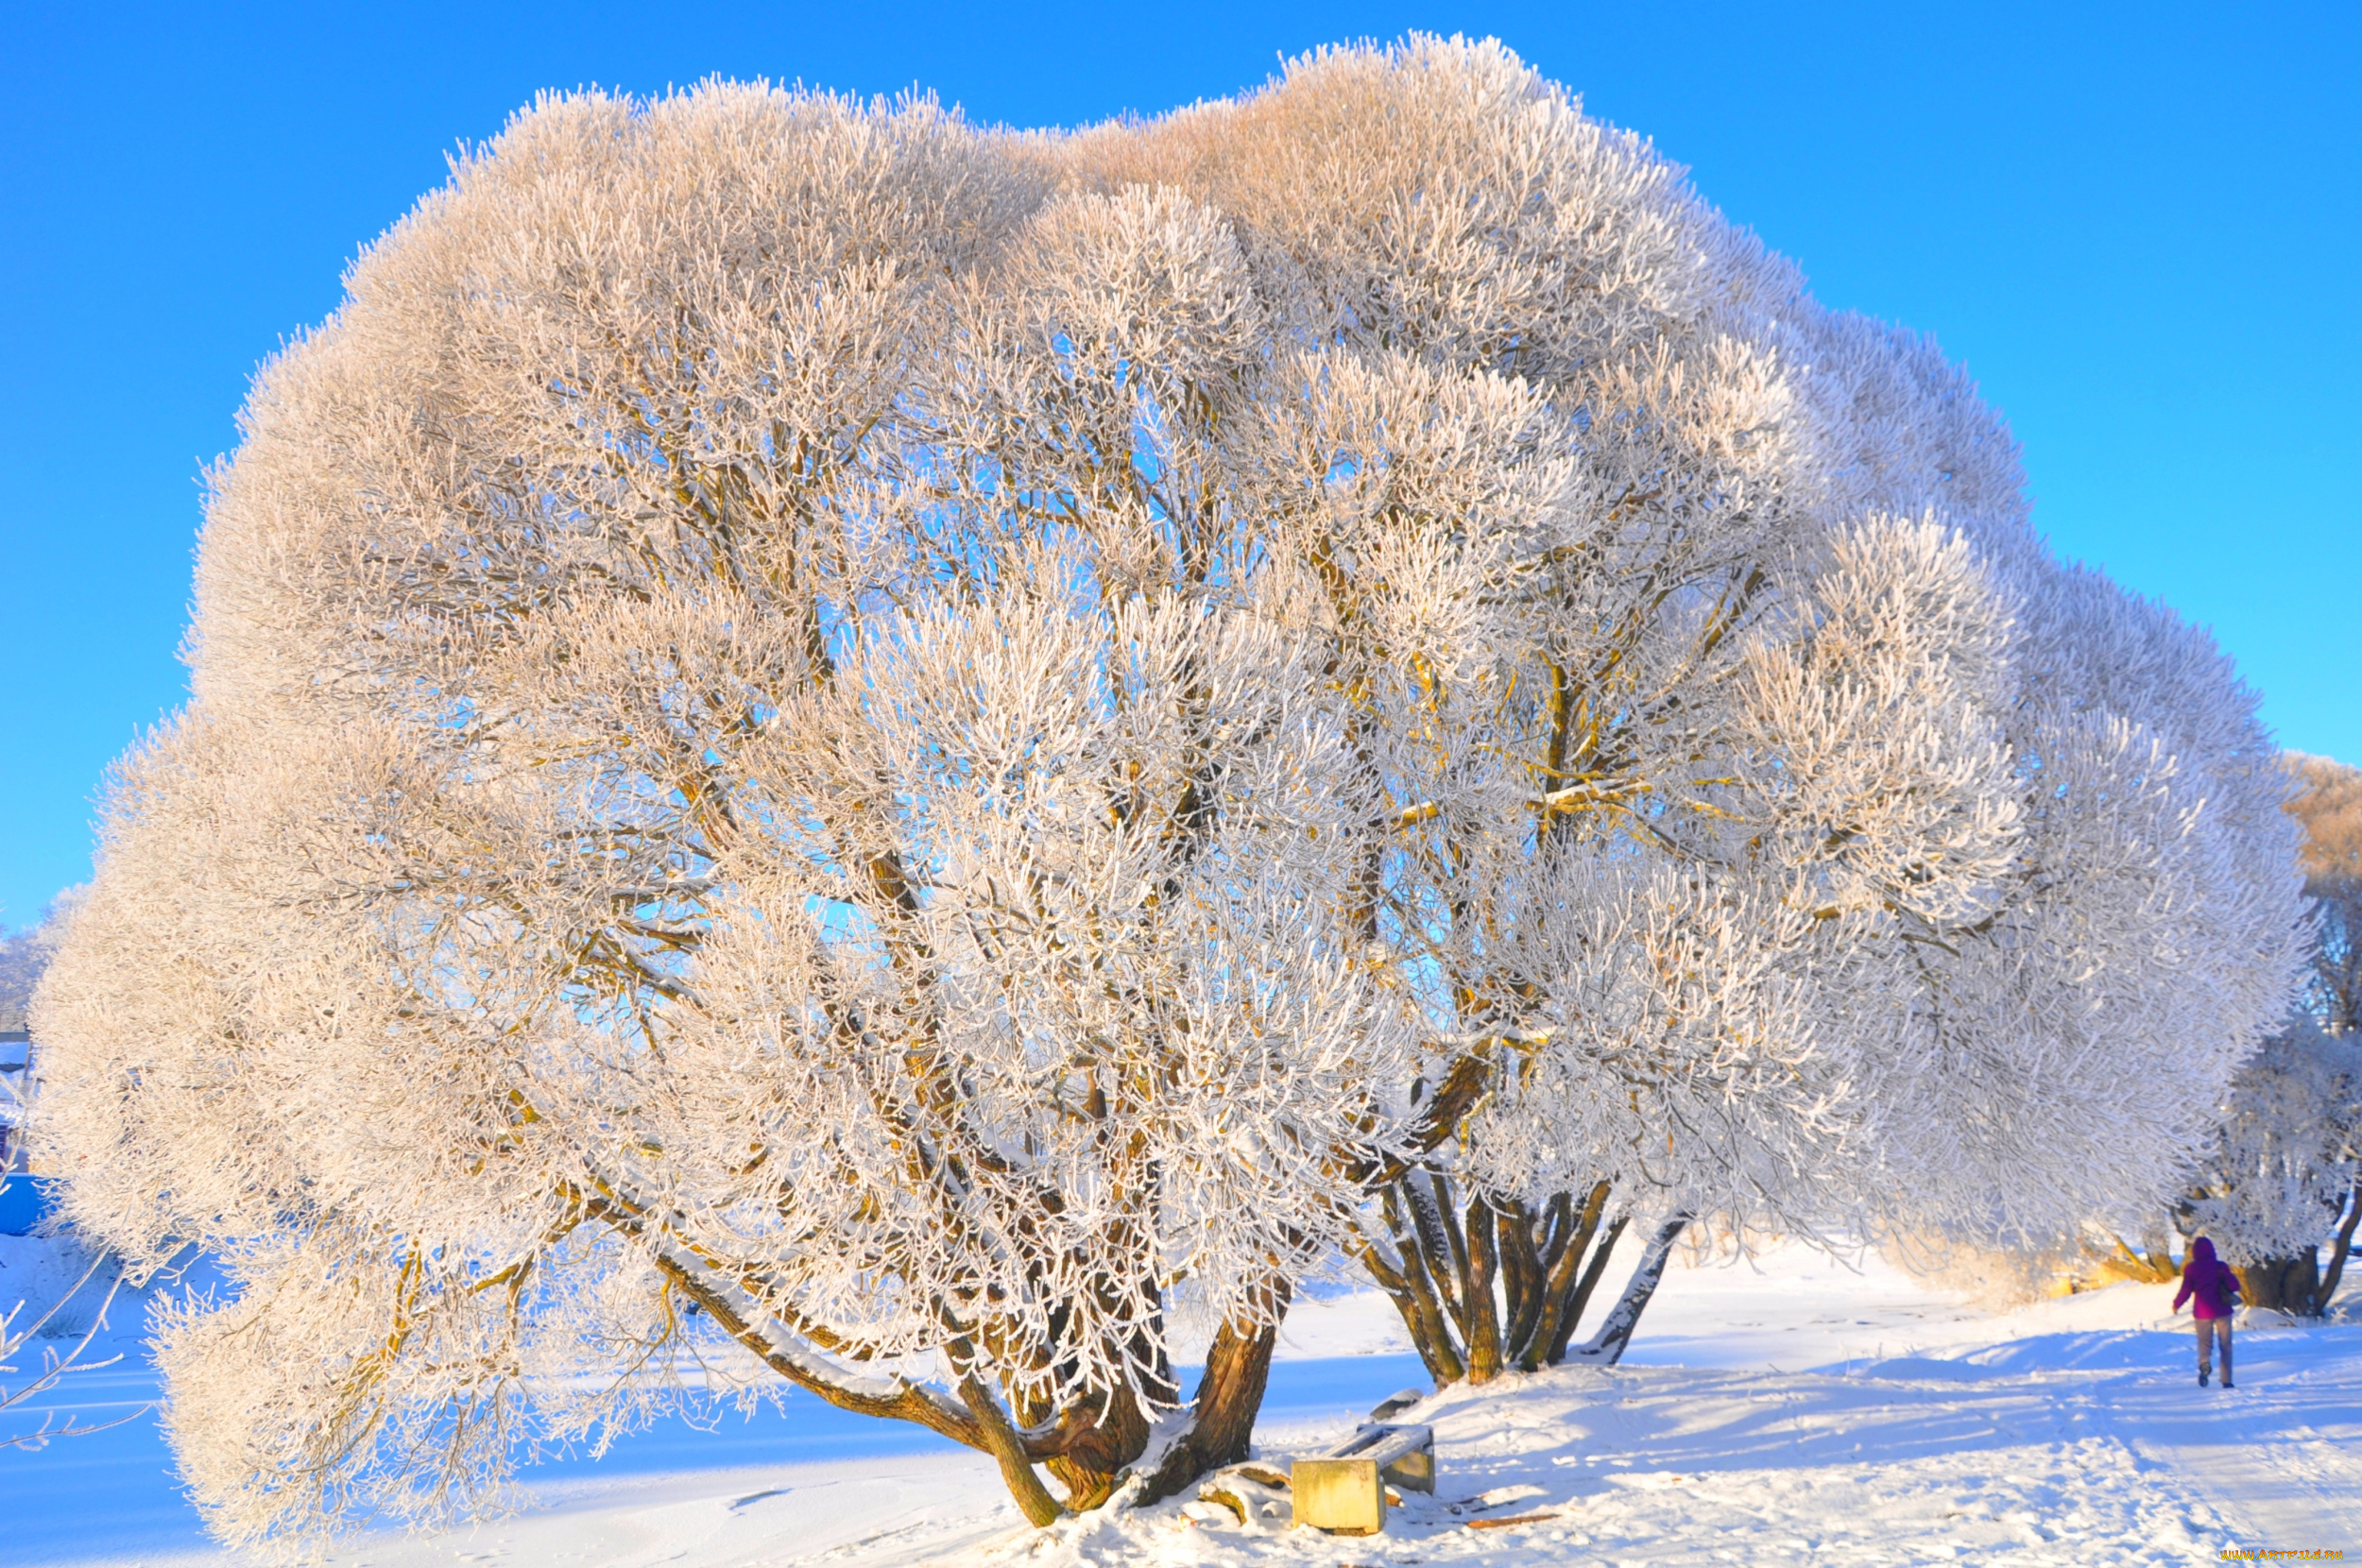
(1221, 1419)
(1008, 1451)
(2289, 1284)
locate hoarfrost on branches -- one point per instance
(918, 737)
(2289, 1154)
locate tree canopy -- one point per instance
(937, 742)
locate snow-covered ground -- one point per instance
(1798, 1410)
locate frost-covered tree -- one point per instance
(2285, 1173)
(744, 757)
(2329, 805)
(25, 953)
(1943, 1037)
(2282, 1175)
(871, 755)
(1813, 831)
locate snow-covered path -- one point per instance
(1803, 1412)
(2289, 1466)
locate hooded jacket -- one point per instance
(2207, 1282)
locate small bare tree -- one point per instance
(48, 1327)
(24, 957)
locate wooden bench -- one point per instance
(1343, 1491)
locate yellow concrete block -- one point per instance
(1341, 1496)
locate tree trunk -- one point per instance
(2152, 1262)
(1476, 1293)
(1008, 1451)
(1422, 1306)
(2338, 1254)
(1487, 1285)
(1583, 1291)
(2287, 1284)
(1607, 1346)
(1522, 1237)
(1108, 1436)
(1222, 1424)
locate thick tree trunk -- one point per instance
(1521, 1236)
(1222, 1421)
(1420, 1302)
(1607, 1346)
(2151, 1261)
(2288, 1284)
(2338, 1252)
(1101, 1440)
(1486, 1285)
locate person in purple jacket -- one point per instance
(2212, 1290)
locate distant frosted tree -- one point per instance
(22, 959)
(2282, 1175)
(933, 743)
(2329, 804)
(25, 954)
(2286, 1173)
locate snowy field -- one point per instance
(1802, 1412)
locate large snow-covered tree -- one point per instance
(744, 755)
(935, 743)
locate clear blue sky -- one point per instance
(2136, 224)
